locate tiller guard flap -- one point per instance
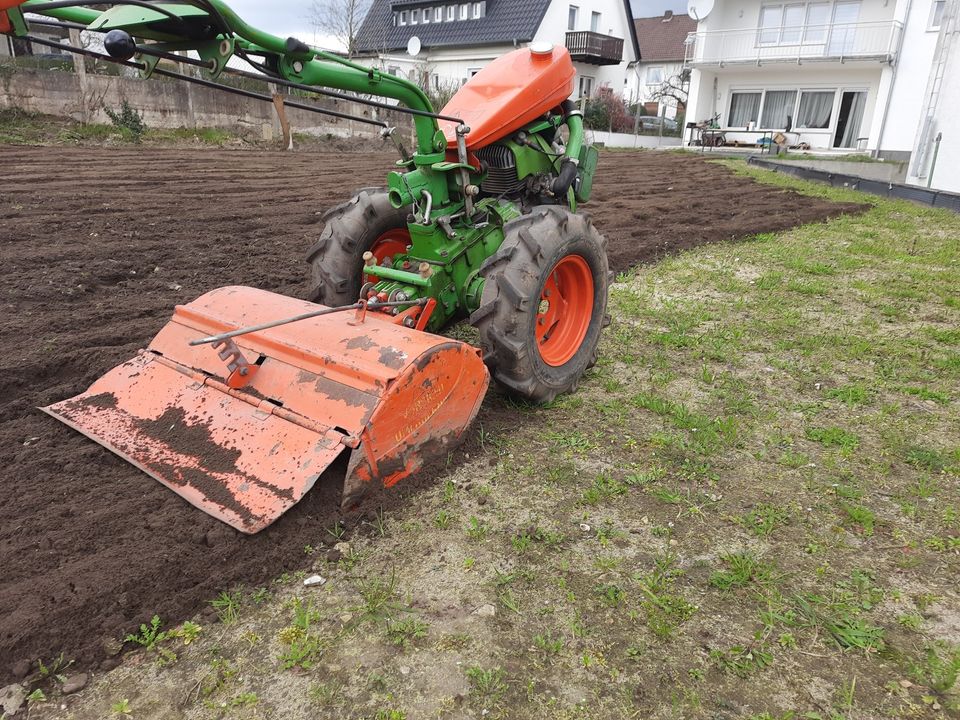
(245, 450)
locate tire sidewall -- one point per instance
(587, 248)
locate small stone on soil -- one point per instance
(314, 580)
(487, 610)
(11, 699)
(334, 555)
(74, 683)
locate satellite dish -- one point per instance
(699, 9)
(414, 46)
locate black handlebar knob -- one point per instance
(119, 45)
(294, 46)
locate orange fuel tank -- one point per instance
(507, 94)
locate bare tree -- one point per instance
(675, 87)
(339, 18)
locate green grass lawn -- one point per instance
(749, 510)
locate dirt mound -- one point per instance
(98, 245)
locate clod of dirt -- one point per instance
(219, 534)
(21, 669)
(112, 647)
(110, 663)
(74, 683)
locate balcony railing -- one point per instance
(594, 48)
(876, 41)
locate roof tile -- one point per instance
(662, 37)
(504, 22)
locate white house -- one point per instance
(868, 75)
(936, 150)
(662, 50)
(458, 39)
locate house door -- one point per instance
(850, 118)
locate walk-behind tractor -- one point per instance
(245, 397)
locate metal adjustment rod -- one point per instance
(462, 130)
(391, 133)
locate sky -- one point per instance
(289, 17)
(652, 8)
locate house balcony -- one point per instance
(594, 48)
(838, 42)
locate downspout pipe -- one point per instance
(933, 162)
(893, 83)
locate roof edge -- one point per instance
(633, 29)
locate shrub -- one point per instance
(128, 120)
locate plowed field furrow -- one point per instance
(97, 246)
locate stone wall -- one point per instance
(166, 103)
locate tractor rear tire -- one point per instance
(365, 222)
(544, 303)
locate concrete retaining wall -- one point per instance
(924, 196)
(890, 172)
(168, 104)
(627, 140)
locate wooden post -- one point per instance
(80, 66)
(284, 122)
(189, 70)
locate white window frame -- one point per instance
(438, 13)
(801, 35)
(824, 26)
(833, 110)
(478, 10)
(747, 91)
(403, 17)
(595, 20)
(415, 16)
(934, 23)
(425, 16)
(451, 13)
(464, 11)
(590, 81)
(762, 29)
(799, 90)
(647, 80)
(796, 30)
(573, 17)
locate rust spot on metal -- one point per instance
(361, 342)
(305, 376)
(393, 358)
(344, 393)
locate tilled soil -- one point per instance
(97, 247)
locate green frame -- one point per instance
(457, 236)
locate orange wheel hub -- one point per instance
(389, 245)
(566, 307)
